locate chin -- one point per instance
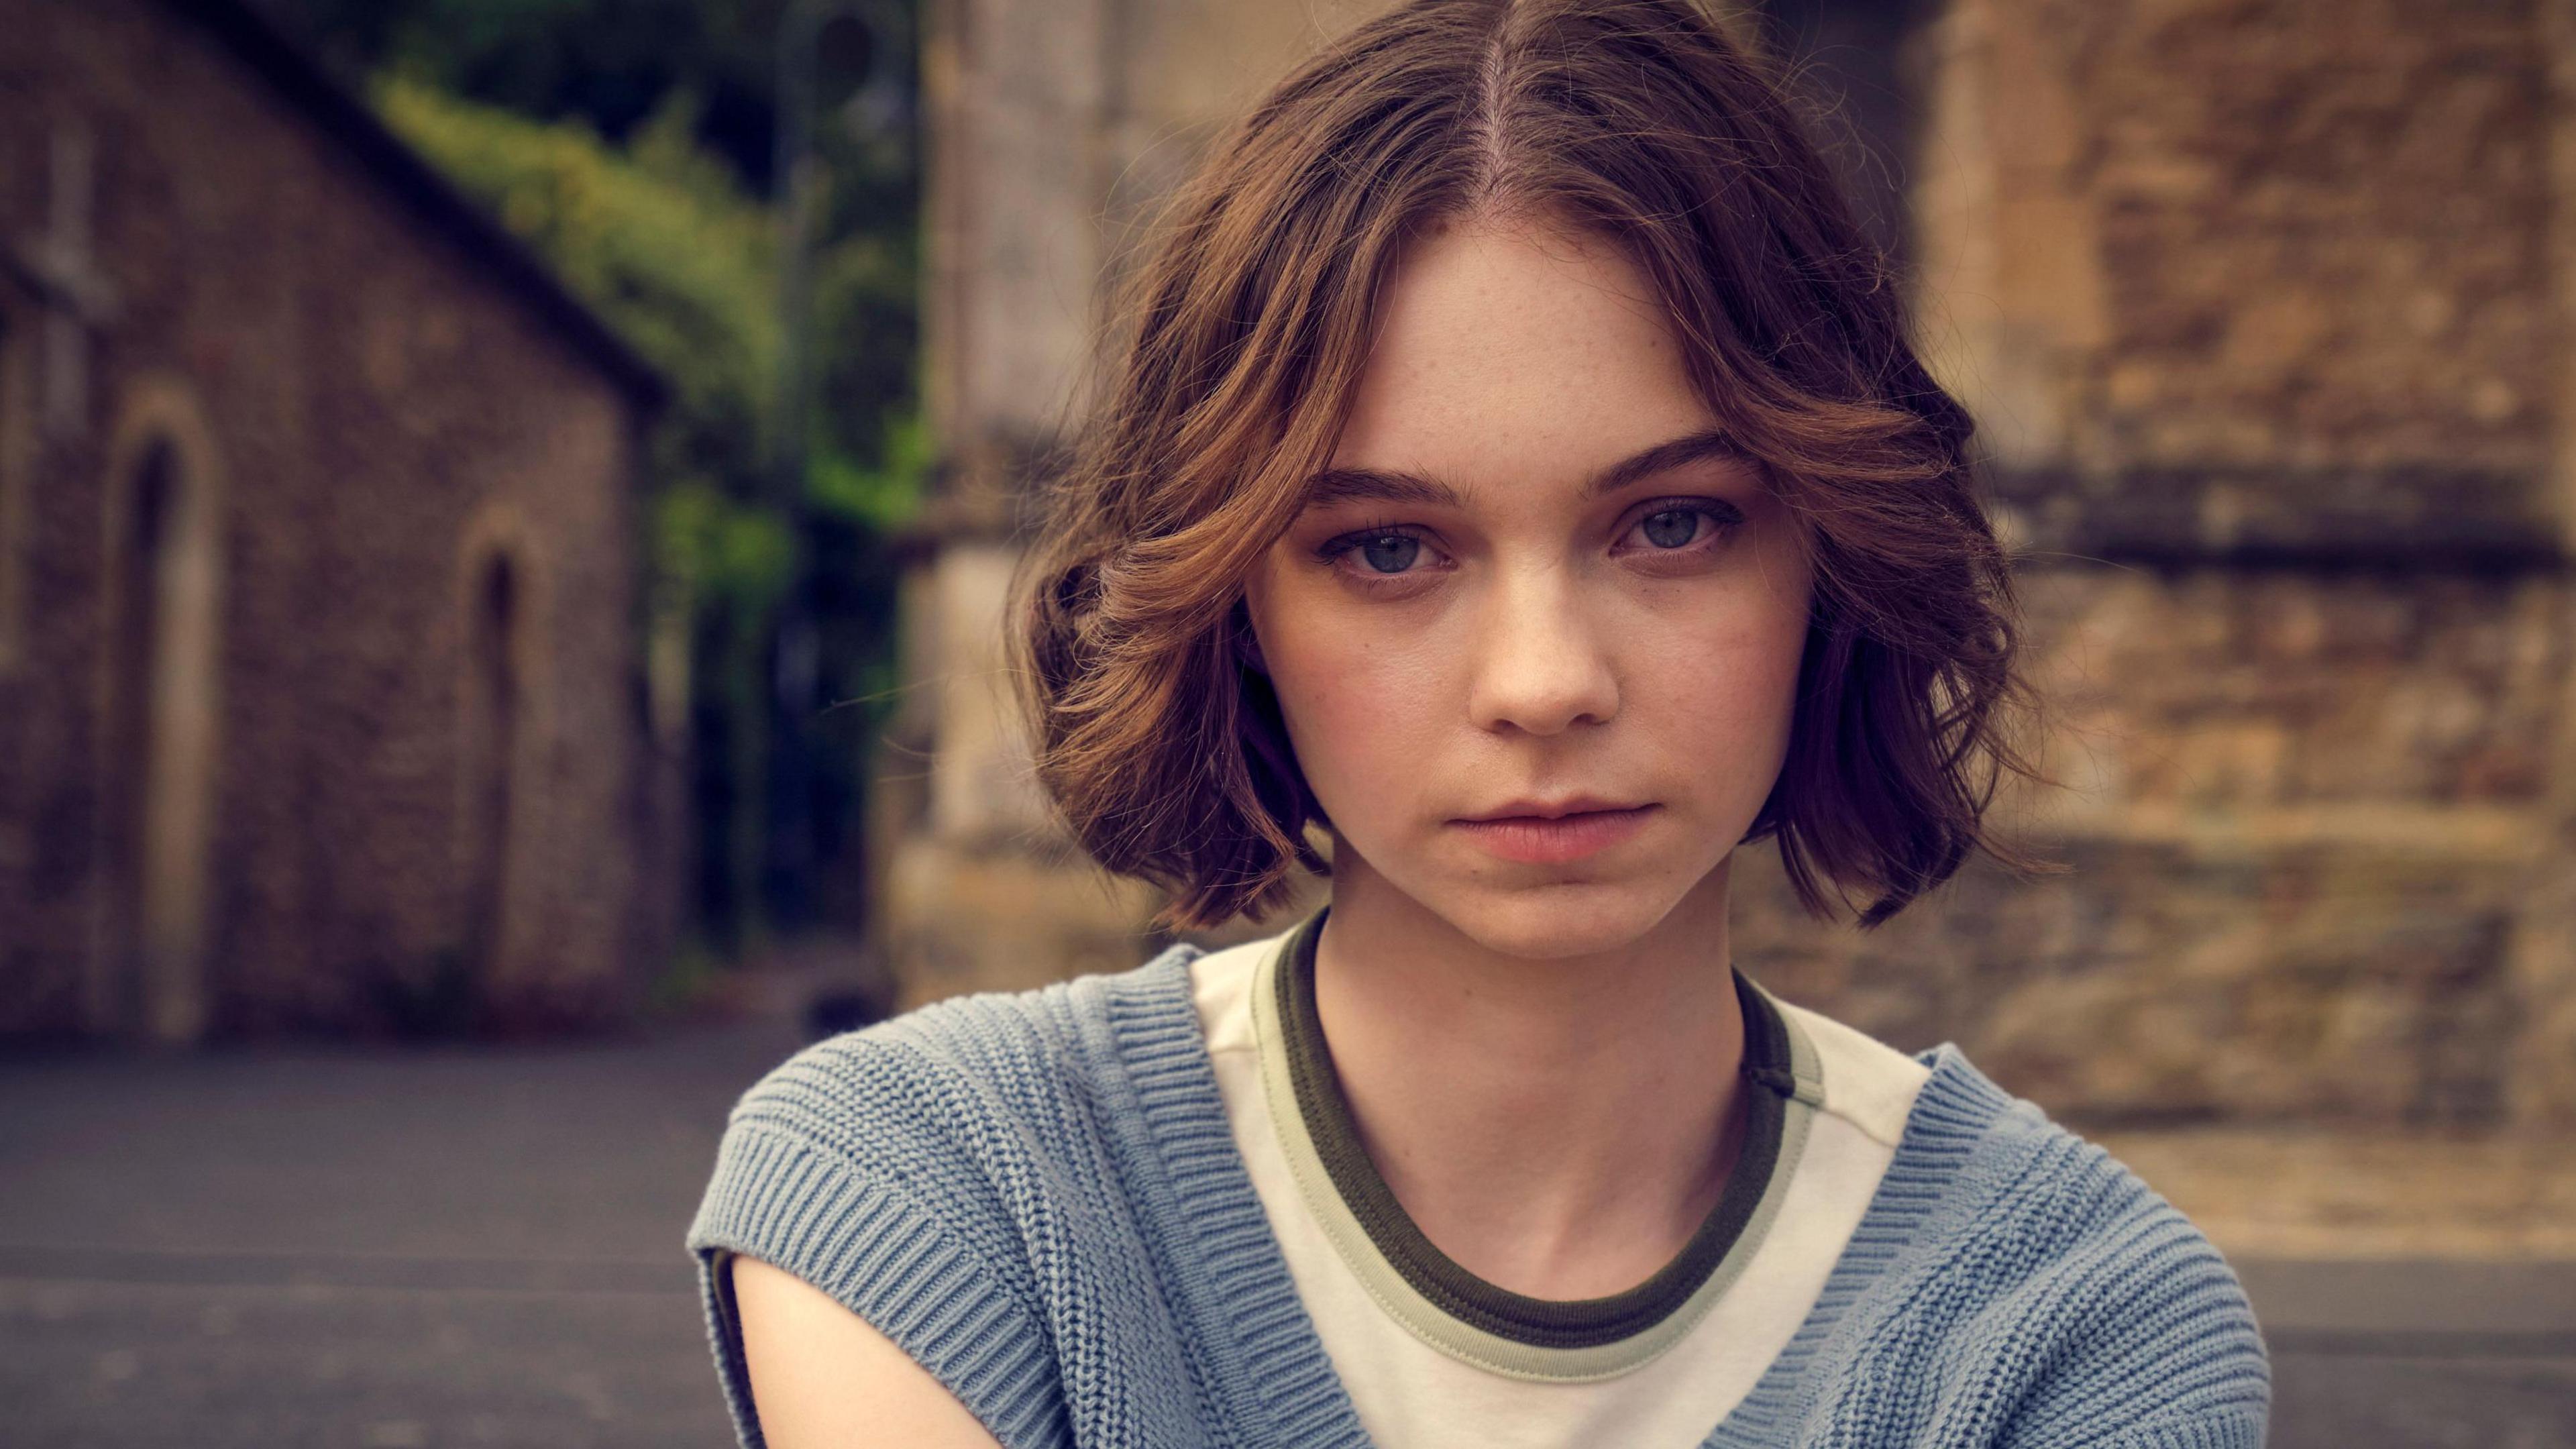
(1545, 920)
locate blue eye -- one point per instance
(1387, 556)
(1391, 553)
(1672, 528)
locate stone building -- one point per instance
(2263, 307)
(318, 565)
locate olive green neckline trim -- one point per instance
(1544, 1323)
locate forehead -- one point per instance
(1516, 353)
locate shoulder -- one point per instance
(960, 1083)
(921, 1075)
(976, 1122)
(2094, 1297)
(946, 1175)
(2032, 1198)
(897, 1133)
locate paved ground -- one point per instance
(441, 1247)
(482, 1247)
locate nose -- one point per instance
(1540, 662)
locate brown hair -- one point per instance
(1249, 323)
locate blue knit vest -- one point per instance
(1038, 1197)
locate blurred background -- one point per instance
(504, 509)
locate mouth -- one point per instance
(1536, 833)
(1526, 809)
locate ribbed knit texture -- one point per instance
(1037, 1196)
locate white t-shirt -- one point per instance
(1423, 1378)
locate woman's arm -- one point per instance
(824, 1378)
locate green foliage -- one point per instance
(712, 547)
(867, 342)
(881, 498)
(663, 239)
(614, 63)
(610, 62)
(659, 238)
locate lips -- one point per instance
(1532, 838)
(1546, 810)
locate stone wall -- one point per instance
(2258, 303)
(373, 419)
(2299, 813)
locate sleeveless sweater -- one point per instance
(1036, 1195)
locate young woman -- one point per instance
(1517, 494)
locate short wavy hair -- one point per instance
(1246, 327)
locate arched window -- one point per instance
(157, 747)
(137, 718)
(493, 692)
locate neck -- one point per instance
(1557, 1126)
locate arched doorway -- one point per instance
(159, 720)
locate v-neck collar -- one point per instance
(1227, 1281)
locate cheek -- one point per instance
(1722, 682)
(1361, 711)
(1714, 691)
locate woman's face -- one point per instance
(1533, 581)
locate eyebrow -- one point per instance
(1336, 485)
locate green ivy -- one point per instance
(660, 237)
